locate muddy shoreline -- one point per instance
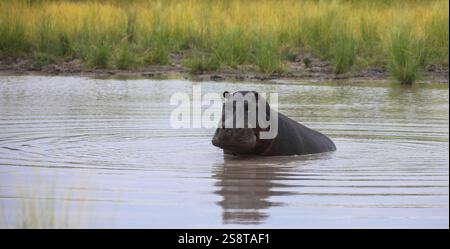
(317, 71)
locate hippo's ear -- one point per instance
(226, 94)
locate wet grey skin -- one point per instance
(235, 140)
(292, 138)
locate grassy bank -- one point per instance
(405, 36)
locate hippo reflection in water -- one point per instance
(290, 138)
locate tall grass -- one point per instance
(125, 58)
(233, 48)
(409, 54)
(267, 34)
(13, 40)
(158, 42)
(343, 53)
(267, 58)
(201, 62)
(437, 38)
(99, 55)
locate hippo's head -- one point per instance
(239, 129)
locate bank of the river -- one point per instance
(234, 39)
(316, 71)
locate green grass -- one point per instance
(100, 55)
(329, 37)
(201, 62)
(408, 55)
(370, 44)
(350, 35)
(437, 40)
(41, 59)
(125, 58)
(64, 47)
(158, 55)
(131, 25)
(267, 58)
(232, 49)
(343, 53)
(289, 53)
(158, 44)
(307, 61)
(13, 41)
(45, 42)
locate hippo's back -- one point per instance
(296, 139)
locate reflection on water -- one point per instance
(247, 184)
(107, 145)
(245, 188)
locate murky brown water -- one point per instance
(101, 153)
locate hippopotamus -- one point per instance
(291, 137)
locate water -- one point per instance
(101, 153)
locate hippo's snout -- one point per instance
(221, 136)
(238, 140)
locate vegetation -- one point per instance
(407, 56)
(405, 36)
(40, 208)
(200, 62)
